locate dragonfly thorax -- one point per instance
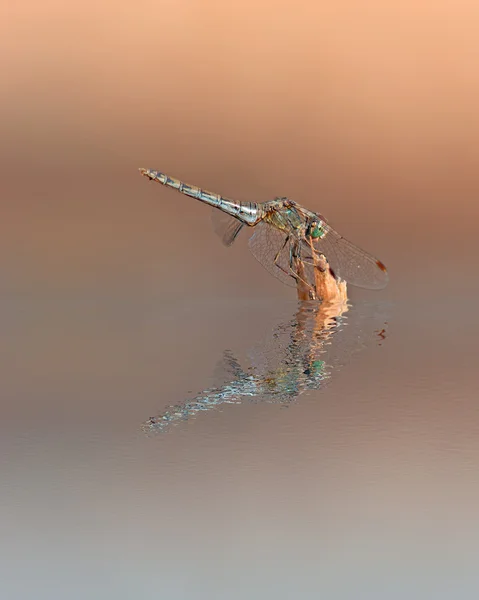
(282, 213)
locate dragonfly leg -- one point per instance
(296, 260)
(292, 273)
(276, 258)
(286, 240)
(319, 260)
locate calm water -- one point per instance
(301, 462)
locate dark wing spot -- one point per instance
(381, 266)
(332, 273)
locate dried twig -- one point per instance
(326, 289)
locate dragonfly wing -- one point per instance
(349, 262)
(225, 226)
(266, 244)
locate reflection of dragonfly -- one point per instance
(290, 241)
(301, 355)
(295, 363)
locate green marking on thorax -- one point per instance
(293, 217)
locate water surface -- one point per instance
(361, 476)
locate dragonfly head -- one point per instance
(315, 229)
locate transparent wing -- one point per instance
(265, 244)
(349, 262)
(225, 226)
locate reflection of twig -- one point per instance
(289, 371)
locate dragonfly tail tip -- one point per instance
(146, 172)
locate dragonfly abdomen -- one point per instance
(249, 213)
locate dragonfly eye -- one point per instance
(315, 230)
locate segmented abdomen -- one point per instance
(247, 212)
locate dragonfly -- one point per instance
(288, 240)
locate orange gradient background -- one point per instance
(116, 299)
(365, 112)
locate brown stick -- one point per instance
(326, 289)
